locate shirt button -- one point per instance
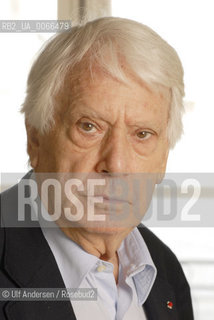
(101, 268)
(132, 267)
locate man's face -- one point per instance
(109, 127)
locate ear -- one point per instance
(32, 144)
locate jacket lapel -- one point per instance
(31, 264)
(156, 305)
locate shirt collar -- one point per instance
(133, 253)
(137, 264)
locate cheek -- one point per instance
(69, 158)
(155, 161)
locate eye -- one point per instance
(87, 126)
(144, 135)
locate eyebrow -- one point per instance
(85, 110)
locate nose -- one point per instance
(116, 155)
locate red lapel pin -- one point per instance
(169, 304)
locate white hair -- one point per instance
(145, 53)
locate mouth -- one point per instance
(114, 199)
(108, 199)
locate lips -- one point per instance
(114, 199)
(109, 199)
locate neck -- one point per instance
(101, 244)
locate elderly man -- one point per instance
(104, 102)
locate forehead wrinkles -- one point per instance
(86, 80)
(78, 86)
(70, 93)
(81, 82)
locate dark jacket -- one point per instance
(26, 261)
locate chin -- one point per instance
(108, 230)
